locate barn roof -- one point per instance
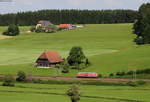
(64, 26)
(52, 56)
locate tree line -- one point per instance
(69, 17)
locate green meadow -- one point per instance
(109, 47)
(89, 93)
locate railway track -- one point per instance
(84, 79)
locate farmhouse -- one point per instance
(49, 59)
(44, 23)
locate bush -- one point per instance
(140, 82)
(32, 29)
(111, 75)
(12, 30)
(21, 76)
(139, 40)
(65, 67)
(65, 70)
(120, 73)
(9, 81)
(130, 73)
(131, 83)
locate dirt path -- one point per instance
(85, 79)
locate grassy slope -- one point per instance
(56, 93)
(108, 46)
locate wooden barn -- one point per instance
(49, 59)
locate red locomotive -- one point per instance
(87, 75)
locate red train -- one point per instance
(87, 75)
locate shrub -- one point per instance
(9, 81)
(65, 70)
(32, 29)
(140, 82)
(111, 75)
(130, 73)
(21, 76)
(131, 83)
(12, 30)
(120, 73)
(146, 71)
(139, 40)
(142, 71)
(65, 67)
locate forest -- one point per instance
(69, 17)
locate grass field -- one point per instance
(109, 47)
(89, 93)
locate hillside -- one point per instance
(110, 48)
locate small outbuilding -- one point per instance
(49, 59)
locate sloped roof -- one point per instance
(44, 22)
(64, 26)
(52, 56)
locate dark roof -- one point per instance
(52, 56)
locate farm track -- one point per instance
(85, 79)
